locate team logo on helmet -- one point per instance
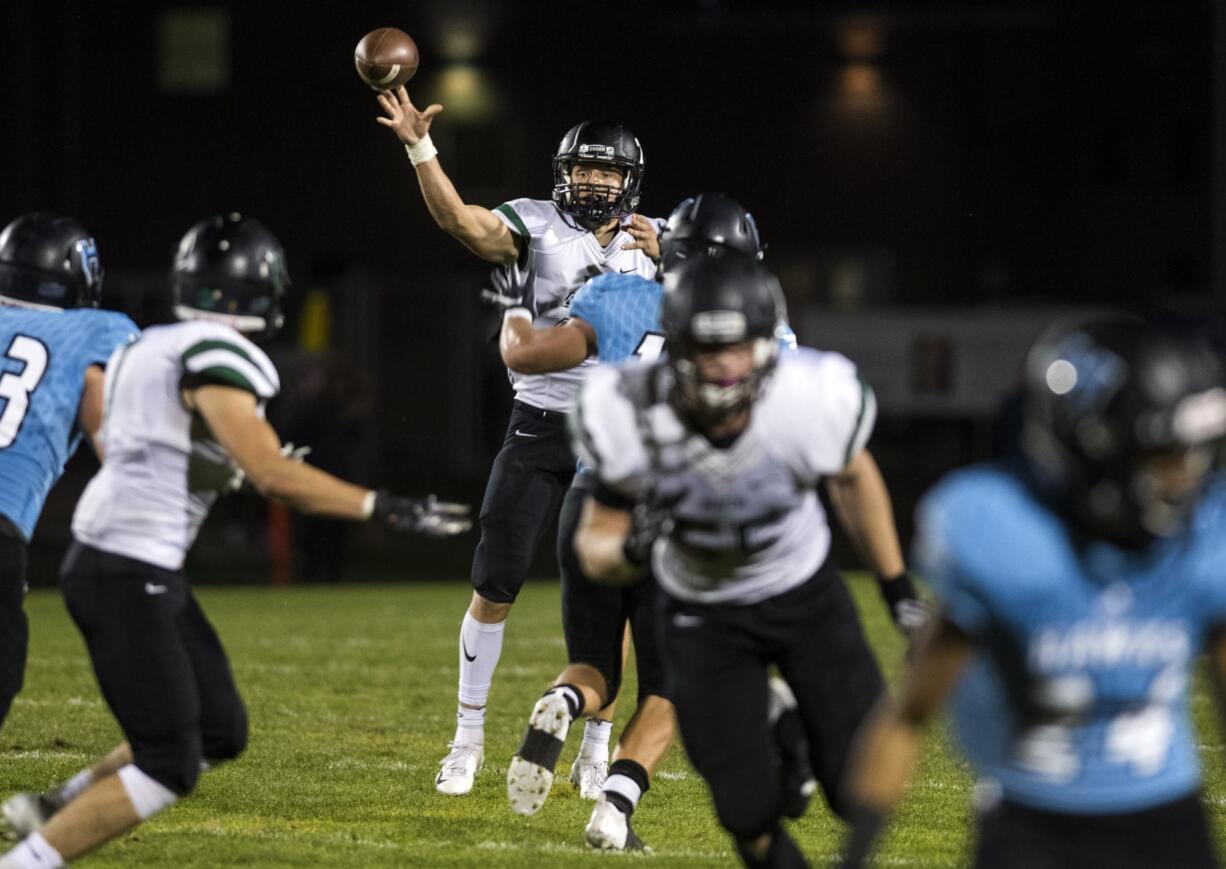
(87, 250)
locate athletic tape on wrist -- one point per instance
(368, 505)
(422, 152)
(517, 313)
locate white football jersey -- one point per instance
(559, 258)
(747, 521)
(162, 469)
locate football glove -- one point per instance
(909, 612)
(427, 515)
(651, 518)
(507, 292)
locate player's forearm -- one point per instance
(883, 760)
(473, 226)
(862, 503)
(530, 350)
(310, 490)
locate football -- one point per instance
(386, 58)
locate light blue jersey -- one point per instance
(1078, 698)
(624, 311)
(43, 358)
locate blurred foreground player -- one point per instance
(1077, 588)
(616, 318)
(184, 423)
(547, 249)
(53, 346)
(719, 451)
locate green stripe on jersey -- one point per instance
(226, 376)
(204, 346)
(518, 222)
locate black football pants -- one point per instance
(717, 658)
(530, 475)
(159, 663)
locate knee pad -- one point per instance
(147, 795)
(227, 744)
(173, 761)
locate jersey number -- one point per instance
(15, 389)
(650, 347)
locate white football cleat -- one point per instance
(24, 814)
(588, 776)
(530, 775)
(459, 768)
(609, 830)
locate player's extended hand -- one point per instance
(650, 519)
(908, 610)
(506, 291)
(409, 124)
(427, 515)
(646, 237)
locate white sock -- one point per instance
(480, 649)
(624, 786)
(33, 853)
(596, 739)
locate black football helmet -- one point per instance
(600, 142)
(231, 269)
(1107, 401)
(49, 261)
(709, 224)
(710, 302)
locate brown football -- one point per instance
(386, 58)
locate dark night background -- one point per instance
(933, 181)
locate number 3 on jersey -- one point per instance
(16, 388)
(650, 347)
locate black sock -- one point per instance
(782, 854)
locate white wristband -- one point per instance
(517, 313)
(368, 505)
(422, 152)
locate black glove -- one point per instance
(908, 610)
(427, 515)
(508, 291)
(651, 519)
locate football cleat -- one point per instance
(530, 775)
(588, 776)
(609, 829)
(787, 730)
(24, 814)
(459, 768)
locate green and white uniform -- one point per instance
(162, 469)
(559, 257)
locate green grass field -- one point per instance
(351, 693)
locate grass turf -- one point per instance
(351, 695)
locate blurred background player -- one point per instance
(184, 422)
(548, 248)
(719, 451)
(615, 318)
(1077, 586)
(53, 347)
